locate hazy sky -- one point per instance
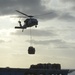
(53, 39)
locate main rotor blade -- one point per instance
(22, 13)
(18, 16)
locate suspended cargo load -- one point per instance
(31, 50)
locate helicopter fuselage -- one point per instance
(28, 23)
(31, 22)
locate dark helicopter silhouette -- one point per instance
(29, 22)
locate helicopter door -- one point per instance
(27, 21)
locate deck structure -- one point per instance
(19, 71)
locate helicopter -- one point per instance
(29, 22)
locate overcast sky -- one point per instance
(53, 39)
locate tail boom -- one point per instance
(20, 28)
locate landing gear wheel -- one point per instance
(35, 26)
